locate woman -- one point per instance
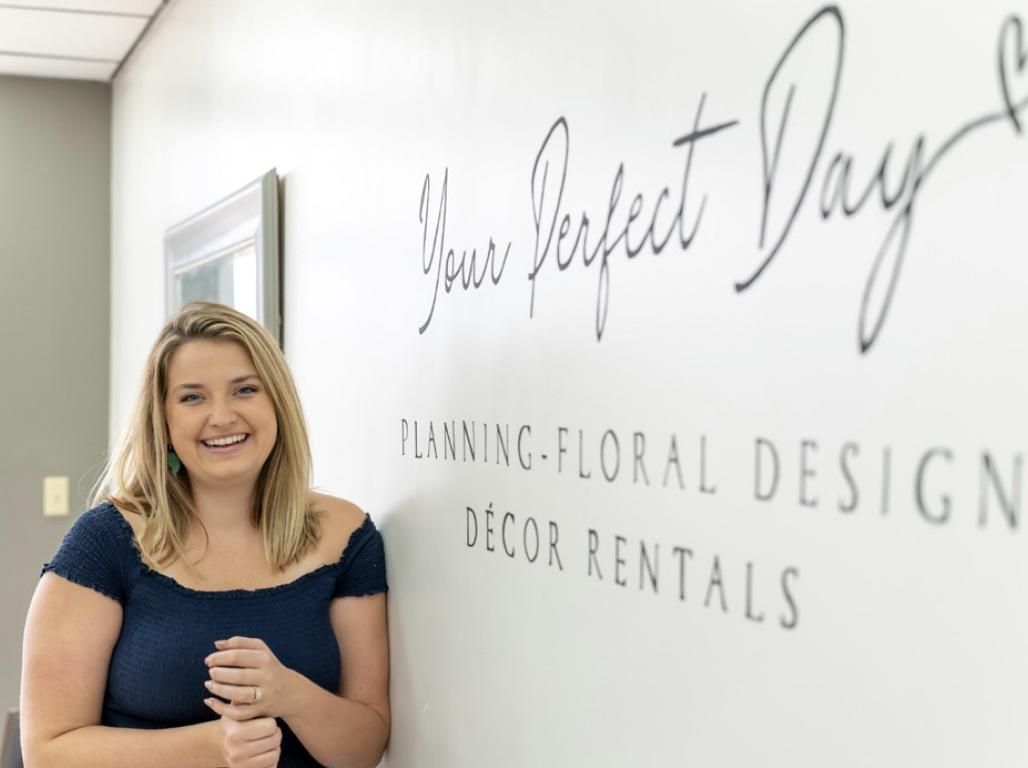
(210, 610)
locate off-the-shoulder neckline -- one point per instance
(168, 581)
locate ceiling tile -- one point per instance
(140, 7)
(68, 34)
(60, 68)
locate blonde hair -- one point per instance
(138, 478)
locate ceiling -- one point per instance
(77, 39)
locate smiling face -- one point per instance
(221, 419)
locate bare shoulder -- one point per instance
(339, 519)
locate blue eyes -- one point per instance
(192, 397)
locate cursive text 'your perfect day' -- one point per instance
(566, 240)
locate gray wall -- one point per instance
(54, 324)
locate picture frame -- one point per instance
(229, 253)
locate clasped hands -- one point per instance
(258, 688)
(250, 677)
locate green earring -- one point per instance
(174, 462)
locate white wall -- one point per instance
(893, 634)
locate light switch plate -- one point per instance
(55, 496)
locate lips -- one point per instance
(234, 443)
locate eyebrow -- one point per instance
(236, 380)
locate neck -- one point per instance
(225, 509)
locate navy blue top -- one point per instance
(157, 673)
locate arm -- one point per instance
(70, 634)
(348, 730)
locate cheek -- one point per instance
(268, 421)
(173, 424)
(181, 427)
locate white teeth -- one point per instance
(225, 440)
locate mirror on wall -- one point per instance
(228, 253)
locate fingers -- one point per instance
(267, 743)
(238, 712)
(244, 665)
(253, 643)
(237, 658)
(259, 728)
(267, 760)
(255, 744)
(237, 694)
(236, 675)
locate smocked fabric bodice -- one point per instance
(157, 671)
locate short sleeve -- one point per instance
(362, 569)
(94, 553)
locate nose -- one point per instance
(222, 413)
